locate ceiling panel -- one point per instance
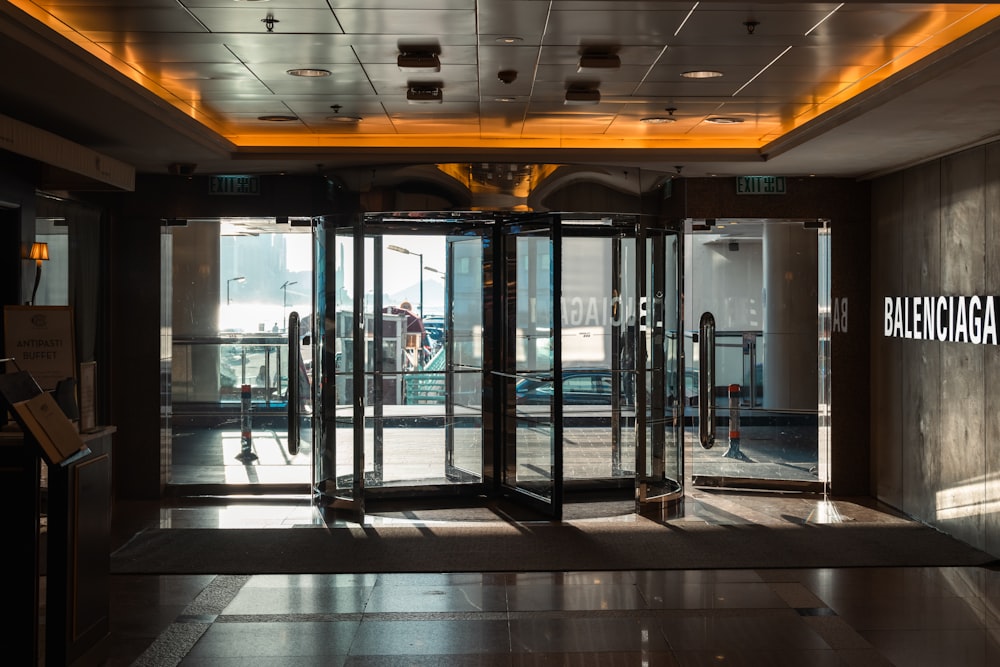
(782, 63)
(127, 18)
(408, 21)
(252, 18)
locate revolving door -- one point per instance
(533, 357)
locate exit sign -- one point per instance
(760, 185)
(234, 185)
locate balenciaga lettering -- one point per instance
(952, 319)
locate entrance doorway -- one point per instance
(762, 417)
(529, 356)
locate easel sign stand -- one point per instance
(78, 536)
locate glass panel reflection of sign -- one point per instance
(760, 185)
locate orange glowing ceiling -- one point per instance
(509, 71)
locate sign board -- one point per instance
(40, 340)
(233, 185)
(760, 185)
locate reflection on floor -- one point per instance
(203, 456)
(795, 617)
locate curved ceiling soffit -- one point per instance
(450, 186)
(403, 176)
(629, 181)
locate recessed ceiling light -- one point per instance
(504, 99)
(724, 120)
(701, 74)
(657, 120)
(509, 39)
(308, 72)
(278, 118)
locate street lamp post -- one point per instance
(284, 288)
(404, 251)
(237, 279)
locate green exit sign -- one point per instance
(233, 185)
(760, 185)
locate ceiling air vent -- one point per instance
(424, 95)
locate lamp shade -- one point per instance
(39, 251)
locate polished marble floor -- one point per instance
(796, 617)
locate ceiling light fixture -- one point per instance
(345, 119)
(701, 74)
(419, 61)
(308, 72)
(424, 94)
(278, 118)
(599, 61)
(723, 120)
(509, 39)
(659, 120)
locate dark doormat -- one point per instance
(520, 547)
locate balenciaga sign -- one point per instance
(953, 319)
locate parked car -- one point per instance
(580, 387)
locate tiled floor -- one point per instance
(945, 617)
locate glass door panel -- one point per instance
(400, 356)
(599, 339)
(337, 470)
(765, 283)
(659, 460)
(533, 405)
(463, 342)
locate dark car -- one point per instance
(580, 387)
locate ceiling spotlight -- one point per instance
(599, 61)
(419, 61)
(509, 39)
(308, 72)
(424, 95)
(278, 118)
(345, 119)
(723, 120)
(583, 96)
(701, 74)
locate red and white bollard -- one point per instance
(734, 425)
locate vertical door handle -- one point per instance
(293, 383)
(706, 387)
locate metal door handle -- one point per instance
(293, 383)
(706, 388)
